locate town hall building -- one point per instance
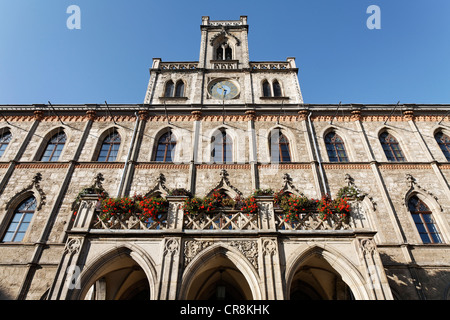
(224, 185)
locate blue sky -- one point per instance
(339, 58)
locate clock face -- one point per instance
(223, 90)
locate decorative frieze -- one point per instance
(249, 248)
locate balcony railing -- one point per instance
(222, 220)
(267, 218)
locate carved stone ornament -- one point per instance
(160, 188)
(171, 246)
(269, 247)
(288, 186)
(73, 245)
(34, 187)
(226, 185)
(413, 186)
(249, 249)
(368, 246)
(194, 247)
(224, 33)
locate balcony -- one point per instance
(266, 218)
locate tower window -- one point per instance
(221, 147)
(54, 147)
(5, 139)
(20, 221)
(110, 148)
(391, 147)
(444, 143)
(179, 90)
(168, 92)
(276, 89)
(279, 147)
(228, 53)
(335, 148)
(266, 89)
(165, 148)
(424, 221)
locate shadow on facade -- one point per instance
(416, 283)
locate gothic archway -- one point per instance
(120, 274)
(319, 274)
(219, 273)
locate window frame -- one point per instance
(331, 145)
(276, 89)
(18, 211)
(280, 144)
(444, 146)
(55, 145)
(388, 146)
(110, 144)
(169, 85)
(422, 221)
(166, 143)
(4, 144)
(225, 146)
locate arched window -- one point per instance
(165, 147)
(221, 149)
(266, 89)
(279, 147)
(444, 142)
(110, 148)
(228, 53)
(20, 221)
(54, 147)
(424, 221)
(276, 89)
(5, 139)
(335, 148)
(169, 89)
(391, 147)
(219, 53)
(179, 90)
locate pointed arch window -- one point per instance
(335, 148)
(391, 147)
(54, 147)
(20, 221)
(276, 89)
(221, 147)
(110, 148)
(444, 143)
(228, 53)
(179, 89)
(165, 148)
(168, 92)
(5, 139)
(423, 218)
(279, 147)
(266, 89)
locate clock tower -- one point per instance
(224, 73)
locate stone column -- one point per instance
(269, 270)
(376, 280)
(69, 267)
(251, 115)
(266, 214)
(85, 213)
(67, 279)
(170, 265)
(175, 214)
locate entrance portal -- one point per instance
(315, 279)
(219, 279)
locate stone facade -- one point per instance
(378, 254)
